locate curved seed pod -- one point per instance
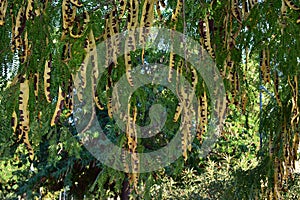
(68, 17)
(171, 65)
(114, 48)
(72, 14)
(19, 19)
(134, 14)
(107, 34)
(194, 78)
(128, 68)
(252, 3)
(245, 9)
(132, 18)
(147, 17)
(298, 20)
(19, 28)
(36, 85)
(207, 38)
(97, 101)
(58, 108)
(3, 7)
(93, 54)
(86, 20)
(14, 121)
(157, 7)
(65, 13)
(123, 158)
(23, 103)
(146, 22)
(47, 80)
(295, 108)
(67, 52)
(132, 144)
(176, 13)
(179, 89)
(291, 5)
(109, 103)
(76, 3)
(202, 115)
(24, 115)
(236, 10)
(123, 4)
(94, 60)
(29, 9)
(69, 97)
(265, 65)
(84, 64)
(130, 40)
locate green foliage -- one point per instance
(237, 168)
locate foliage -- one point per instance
(255, 45)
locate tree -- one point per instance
(44, 44)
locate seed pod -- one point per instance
(93, 55)
(47, 80)
(176, 13)
(109, 103)
(123, 4)
(292, 5)
(86, 20)
(157, 6)
(171, 65)
(19, 28)
(132, 145)
(265, 65)
(36, 85)
(202, 115)
(24, 115)
(76, 3)
(29, 9)
(147, 18)
(236, 10)
(67, 52)
(65, 14)
(58, 108)
(252, 3)
(69, 97)
(179, 90)
(14, 121)
(134, 14)
(205, 34)
(3, 7)
(128, 68)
